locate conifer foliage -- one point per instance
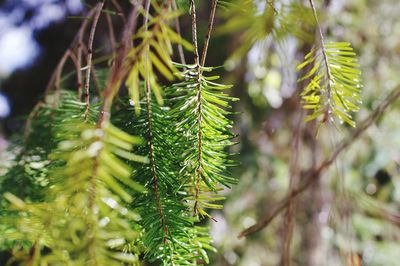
(334, 87)
(129, 179)
(335, 82)
(131, 172)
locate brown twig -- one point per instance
(153, 165)
(117, 71)
(59, 69)
(178, 30)
(194, 32)
(79, 48)
(313, 175)
(321, 39)
(119, 10)
(293, 179)
(208, 35)
(32, 115)
(56, 76)
(198, 170)
(96, 17)
(111, 32)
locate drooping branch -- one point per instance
(153, 166)
(198, 168)
(313, 175)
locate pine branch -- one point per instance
(88, 189)
(169, 236)
(150, 128)
(335, 80)
(201, 182)
(205, 160)
(198, 169)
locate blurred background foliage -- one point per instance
(341, 219)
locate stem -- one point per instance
(117, 72)
(178, 30)
(208, 35)
(111, 32)
(313, 174)
(293, 180)
(321, 37)
(56, 76)
(194, 34)
(119, 9)
(98, 9)
(198, 170)
(150, 125)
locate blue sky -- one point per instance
(18, 47)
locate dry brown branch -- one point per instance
(313, 174)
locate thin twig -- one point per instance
(96, 17)
(56, 76)
(194, 33)
(293, 179)
(79, 40)
(313, 175)
(95, 80)
(60, 67)
(120, 10)
(111, 32)
(117, 71)
(76, 62)
(150, 125)
(178, 30)
(208, 35)
(73, 43)
(321, 38)
(32, 115)
(198, 170)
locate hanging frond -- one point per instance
(28, 177)
(200, 109)
(169, 234)
(95, 185)
(334, 86)
(86, 217)
(153, 55)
